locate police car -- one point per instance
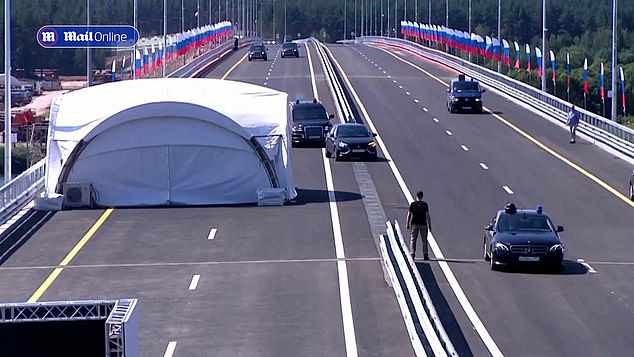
(309, 122)
(523, 236)
(464, 95)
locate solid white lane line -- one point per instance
(590, 269)
(484, 166)
(464, 148)
(212, 234)
(436, 120)
(194, 283)
(451, 279)
(508, 190)
(169, 351)
(448, 132)
(349, 334)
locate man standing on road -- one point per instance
(418, 222)
(573, 122)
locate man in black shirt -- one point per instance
(418, 221)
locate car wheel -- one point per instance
(249, 59)
(632, 192)
(337, 157)
(484, 249)
(264, 58)
(494, 265)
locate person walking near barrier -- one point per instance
(573, 122)
(418, 222)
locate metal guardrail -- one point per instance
(606, 131)
(396, 258)
(21, 190)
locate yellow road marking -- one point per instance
(73, 252)
(234, 67)
(543, 146)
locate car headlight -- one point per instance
(372, 144)
(478, 99)
(297, 127)
(501, 246)
(455, 99)
(342, 144)
(556, 248)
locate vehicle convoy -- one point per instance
(464, 95)
(309, 122)
(348, 140)
(257, 50)
(289, 49)
(523, 236)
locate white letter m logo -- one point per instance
(48, 36)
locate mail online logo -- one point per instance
(94, 36)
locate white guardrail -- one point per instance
(603, 130)
(401, 269)
(21, 190)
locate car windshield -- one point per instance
(466, 87)
(257, 48)
(352, 131)
(289, 45)
(523, 222)
(310, 113)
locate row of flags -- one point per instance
(148, 58)
(490, 48)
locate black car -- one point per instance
(290, 49)
(632, 186)
(257, 50)
(523, 236)
(463, 95)
(349, 140)
(309, 122)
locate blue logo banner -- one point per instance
(82, 36)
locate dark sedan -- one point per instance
(289, 49)
(257, 50)
(350, 140)
(523, 236)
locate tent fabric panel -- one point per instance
(133, 177)
(213, 175)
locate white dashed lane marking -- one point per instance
(484, 166)
(212, 233)
(590, 269)
(425, 109)
(415, 100)
(464, 148)
(435, 120)
(169, 351)
(449, 132)
(507, 189)
(407, 93)
(194, 283)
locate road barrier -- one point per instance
(603, 130)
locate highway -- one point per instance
(274, 281)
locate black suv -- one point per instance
(290, 49)
(309, 122)
(257, 50)
(464, 95)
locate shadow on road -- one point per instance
(305, 196)
(21, 231)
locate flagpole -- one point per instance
(614, 60)
(544, 45)
(88, 69)
(7, 91)
(163, 56)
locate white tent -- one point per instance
(170, 141)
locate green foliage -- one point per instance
(19, 155)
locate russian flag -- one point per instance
(497, 53)
(568, 69)
(601, 82)
(159, 59)
(489, 48)
(122, 66)
(538, 54)
(137, 64)
(527, 49)
(146, 60)
(153, 58)
(113, 71)
(622, 80)
(585, 75)
(552, 64)
(507, 52)
(517, 55)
